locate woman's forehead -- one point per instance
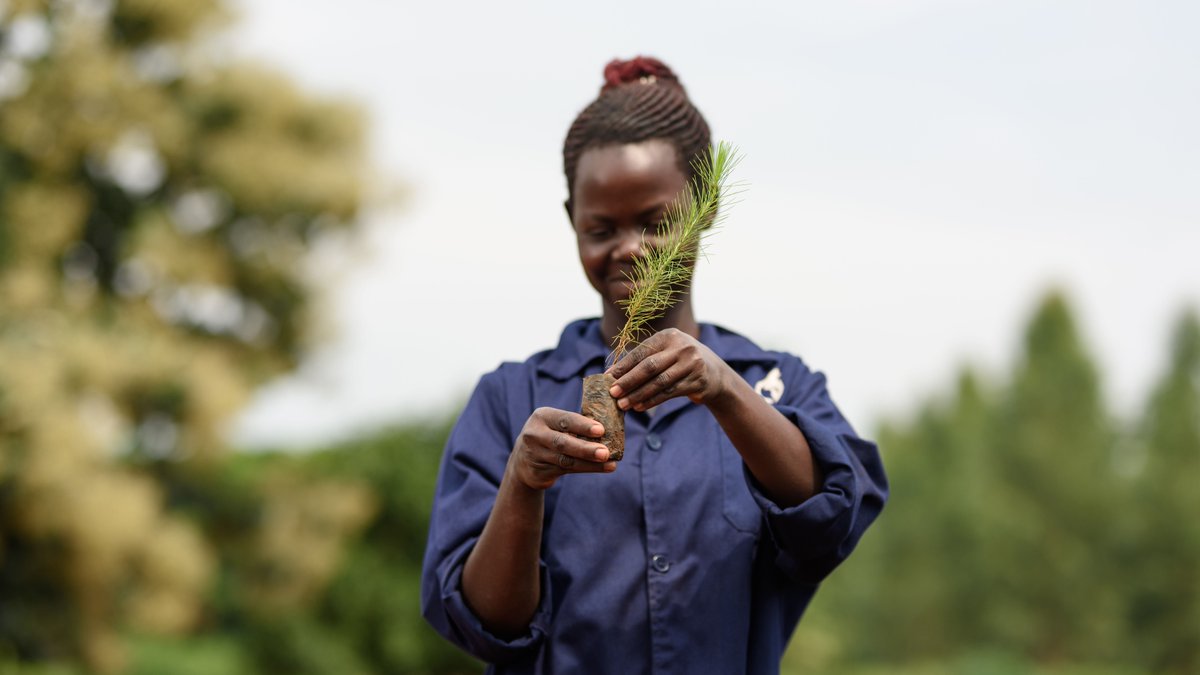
(651, 155)
(646, 170)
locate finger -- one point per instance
(662, 386)
(550, 462)
(636, 355)
(569, 422)
(554, 443)
(653, 366)
(685, 387)
(594, 467)
(577, 466)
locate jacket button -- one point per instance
(654, 441)
(660, 563)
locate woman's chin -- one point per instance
(619, 289)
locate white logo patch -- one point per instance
(771, 386)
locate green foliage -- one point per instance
(665, 269)
(155, 211)
(1026, 533)
(375, 600)
(334, 596)
(302, 646)
(1164, 616)
(204, 655)
(1054, 444)
(971, 663)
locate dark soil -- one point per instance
(599, 405)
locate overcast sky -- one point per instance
(919, 174)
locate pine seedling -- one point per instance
(664, 270)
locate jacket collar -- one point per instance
(581, 349)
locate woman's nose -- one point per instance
(630, 245)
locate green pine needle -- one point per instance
(664, 271)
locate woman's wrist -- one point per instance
(516, 487)
(727, 398)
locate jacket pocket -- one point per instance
(739, 506)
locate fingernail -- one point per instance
(601, 453)
(597, 430)
(623, 404)
(616, 391)
(610, 466)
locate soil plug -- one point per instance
(599, 405)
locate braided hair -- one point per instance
(641, 100)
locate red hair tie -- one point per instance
(643, 69)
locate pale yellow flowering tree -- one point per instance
(156, 205)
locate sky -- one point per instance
(919, 174)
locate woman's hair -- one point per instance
(641, 100)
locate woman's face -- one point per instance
(621, 192)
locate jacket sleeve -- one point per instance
(472, 465)
(813, 538)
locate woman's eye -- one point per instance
(654, 229)
(599, 232)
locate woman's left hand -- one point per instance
(668, 364)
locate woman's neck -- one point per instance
(679, 316)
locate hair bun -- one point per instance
(643, 69)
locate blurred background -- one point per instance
(254, 255)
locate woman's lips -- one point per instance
(624, 274)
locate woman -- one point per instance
(742, 486)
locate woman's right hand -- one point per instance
(549, 446)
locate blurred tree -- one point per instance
(1165, 612)
(374, 602)
(155, 209)
(276, 554)
(1052, 551)
(1000, 537)
(913, 591)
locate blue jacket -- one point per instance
(674, 563)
